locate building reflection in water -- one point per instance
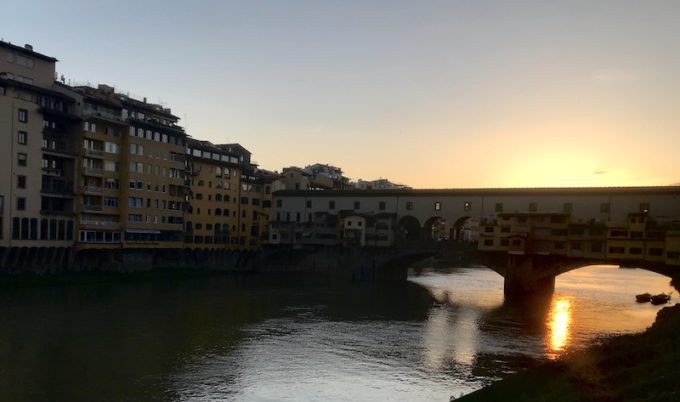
(559, 325)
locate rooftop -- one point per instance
(483, 191)
(27, 50)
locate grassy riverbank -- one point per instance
(639, 367)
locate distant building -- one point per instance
(328, 175)
(314, 177)
(379, 184)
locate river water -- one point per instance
(442, 333)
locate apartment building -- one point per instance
(255, 200)
(213, 213)
(38, 160)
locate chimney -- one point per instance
(28, 47)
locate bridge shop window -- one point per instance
(467, 206)
(381, 205)
(331, 204)
(409, 205)
(656, 251)
(499, 207)
(437, 206)
(308, 204)
(644, 207)
(357, 205)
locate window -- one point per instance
(533, 207)
(357, 205)
(21, 159)
(111, 147)
(467, 206)
(23, 115)
(409, 205)
(331, 204)
(656, 251)
(499, 207)
(381, 205)
(135, 202)
(437, 206)
(111, 202)
(21, 204)
(308, 204)
(488, 242)
(110, 166)
(112, 184)
(21, 181)
(568, 207)
(22, 137)
(136, 149)
(644, 207)
(604, 207)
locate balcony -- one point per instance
(97, 153)
(55, 172)
(55, 211)
(59, 150)
(106, 224)
(106, 116)
(93, 189)
(66, 192)
(92, 208)
(93, 171)
(62, 114)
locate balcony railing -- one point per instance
(99, 223)
(93, 171)
(96, 208)
(93, 152)
(101, 114)
(93, 189)
(53, 172)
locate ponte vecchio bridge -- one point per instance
(528, 235)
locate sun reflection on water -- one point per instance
(559, 325)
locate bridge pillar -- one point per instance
(524, 279)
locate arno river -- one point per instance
(261, 338)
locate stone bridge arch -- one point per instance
(435, 228)
(408, 228)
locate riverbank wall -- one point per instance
(359, 264)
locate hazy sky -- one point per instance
(428, 93)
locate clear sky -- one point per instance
(428, 93)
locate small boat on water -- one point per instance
(643, 298)
(661, 298)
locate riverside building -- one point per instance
(91, 168)
(38, 158)
(230, 198)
